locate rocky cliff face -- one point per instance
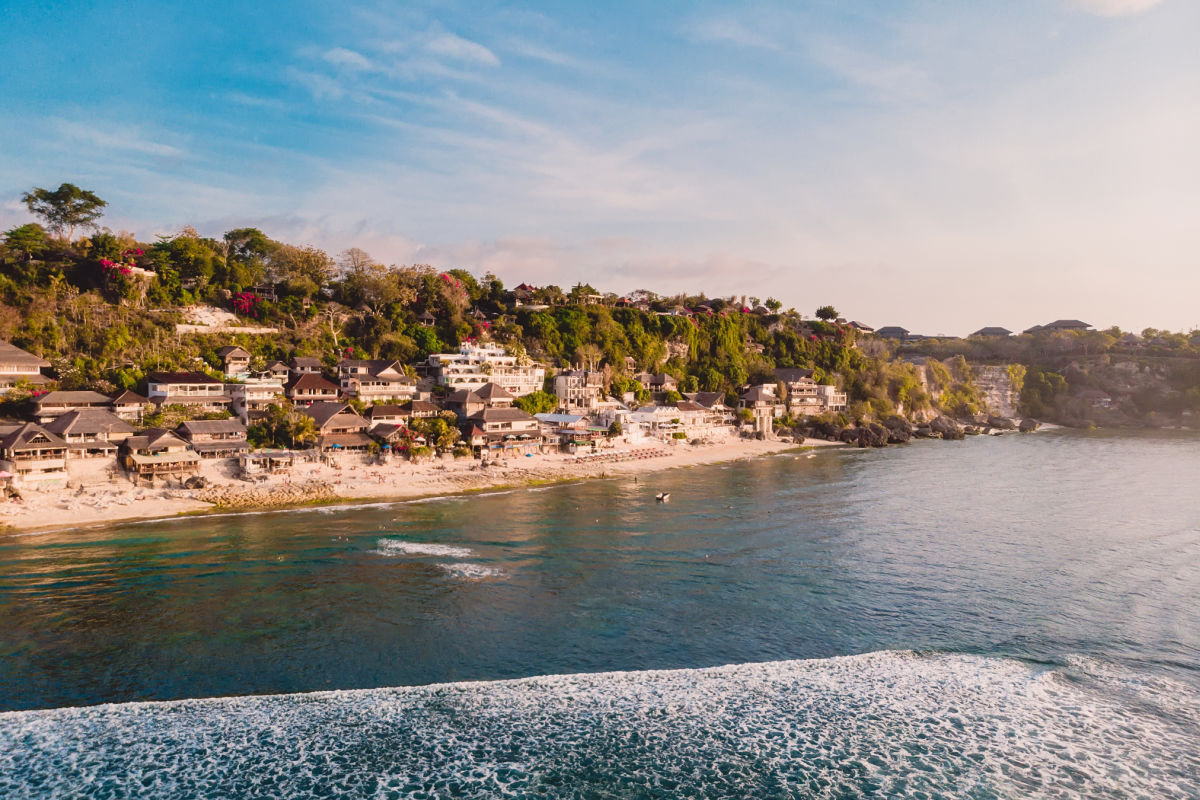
(997, 388)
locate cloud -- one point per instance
(321, 87)
(342, 57)
(730, 31)
(1114, 8)
(117, 137)
(460, 49)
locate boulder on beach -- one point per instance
(1029, 424)
(946, 428)
(1002, 423)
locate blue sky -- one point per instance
(937, 165)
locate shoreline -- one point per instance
(348, 484)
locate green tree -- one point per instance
(65, 209)
(827, 313)
(538, 402)
(27, 239)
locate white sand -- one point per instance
(101, 495)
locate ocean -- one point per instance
(1000, 617)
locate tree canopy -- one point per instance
(65, 209)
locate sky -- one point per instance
(937, 165)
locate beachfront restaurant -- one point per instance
(267, 462)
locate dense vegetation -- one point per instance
(104, 309)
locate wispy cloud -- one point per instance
(1114, 8)
(350, 59)
(117, 137)
(460, 49)
(725, 30)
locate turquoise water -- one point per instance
(1001, 617)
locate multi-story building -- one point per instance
(376, 381)
(158, 453)
(579, 389)
(32, 453)
(90, 432)
(55, 404)
(195, 390)
(505, 431)
(474, 365)
(804, 396)
(17, 365)
(761, 402)
(306, 388)
(251, 398)
(235, 359)
(214, 438)
(339, 427)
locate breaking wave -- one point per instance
(399, 547)
(888, 724)
(473, 572)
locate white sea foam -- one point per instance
(399, 547)
(878, 725)
(473, 572)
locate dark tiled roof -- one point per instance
(54, 398)
(20, 439)
(88, 421)
(129, 398)
(11, 354)
(310, 381)
(210, 426)
(503, 415)
(323, 411)
(706, 399)
(492, 391)
(180, 377)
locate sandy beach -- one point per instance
(97, 495)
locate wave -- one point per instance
(399, 547)
(888, 724)
(472, 572)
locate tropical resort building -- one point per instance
(306, 388)
(55, 404)
(339, 427)
(214, 438)
(17, 365)
(579, 389)
(760, 401)
(251, 398)
(90, 432)
(130, 406)
(158, 453)
(474, 365)
(199, 392)
(30, 453)
(376, 381)
(235, 360)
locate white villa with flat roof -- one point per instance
(474, 365)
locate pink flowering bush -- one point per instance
(246, 303)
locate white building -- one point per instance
(375, 381)
(194, 389)
(474, 365)
(251, 398)
(579, 389)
